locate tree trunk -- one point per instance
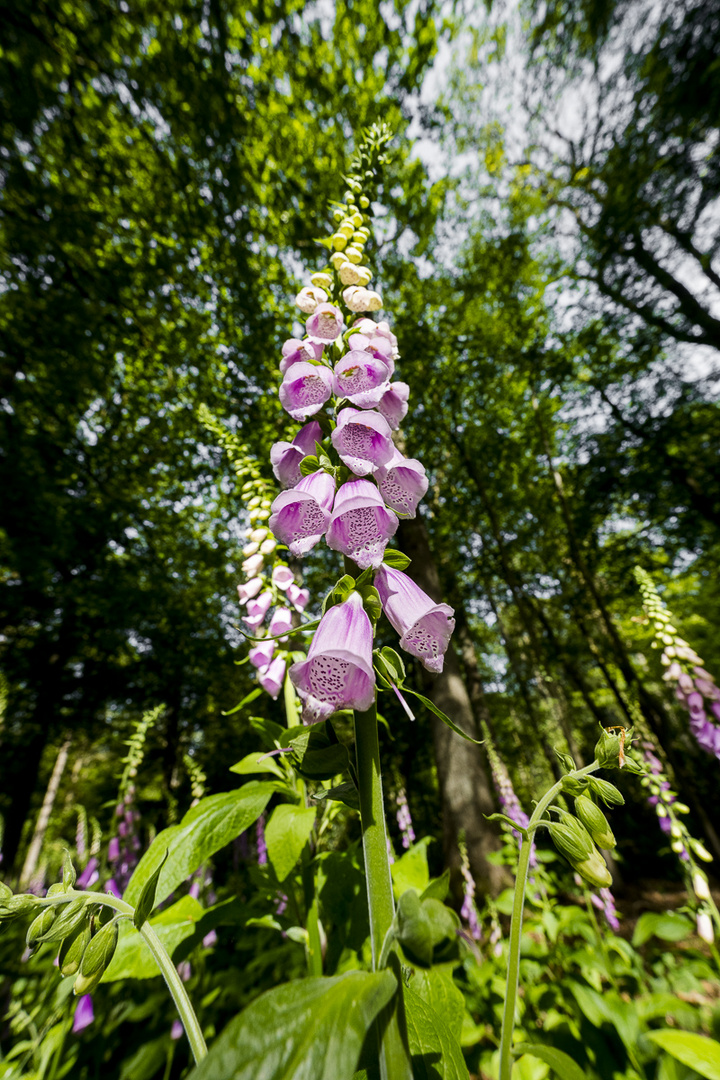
(462, 773)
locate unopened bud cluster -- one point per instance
(695, 687)
(576, 835)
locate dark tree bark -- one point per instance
(462, 769)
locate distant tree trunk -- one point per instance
(33, 852)
(462, 774)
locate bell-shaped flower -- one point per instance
(298, 597)
(361, 524)
(300, 516)
(357, 298)
(281, 623)
(380, 329)
(350, 274)
(363, 440)
(393, 405)
(424, 626)
(305, 389)
(253, 565)
(272, 677)
(249, 589)
(403, 484)
(338, 672)
(261, 654)
(309, 298)
(258, 609)
(282, 577)
(285, 457)
(84, 1014)
(361, 378)
(325, 324)
(295, 351)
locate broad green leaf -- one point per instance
(310, 1029)
(437, 989)
(257, 762)
(438, 887)
(207, 827)
(133, 959)
(561, 1064)
(410, 871)
(436, 1053)
(696, 1051)
(286, 834)
(666, 925)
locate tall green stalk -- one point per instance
(513, 965)
(394, 1054)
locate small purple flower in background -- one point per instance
(282, 577)
(605, 902)
(177, 1030)
(257, 610)
(393, 405)
(261, 654)
(338, 672)
(424, 626)
(363, 440)
(298, 597)
(404, 819)
(300, 517)
(89, 875)
(664, 800)
(272, 677)
(114, 849)
(361, 524)
(249, 589)
(469, 911)
(325, 324)
(403, 484)
(261, 846)
(305, 389)
(507, 799)
(84, 1014)
(285, 457)
(281, 622)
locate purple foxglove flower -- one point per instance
(378, 346)
(281, 622)
(89, 875)
(358, 298)
(252, 565)
(393, 405)
(382, 329)
(113, 852)
(258, 609)
(305, 389)
(403, 484)
(361, 524)
(715, 710)
(295, 351)
(209, 940)
(194, 890)
(424, 626)
(298, 597)
(282, 577)
(262, 856)
(271, 678)
(123, 828)
(695, 703)
(84, 1014)
(338, 672)
(325, 324)
(708, 688)
(673, 672)
(249, 589)
(177, 1030)
(362, 439)
(112, 886)
(285, 457)
(361, 378)
(300, 517)
(685, 683)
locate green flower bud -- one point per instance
(609, 750)
(571, 839)
(595, 822)
(595, 871)
(337, 259)
(39, 926)
(69, 917)
(72, 949)
(339, 241)
(57, 889)
(14, 906)
(96, 959)
(5, 891)
(321, 281)
(364, 202)
(572, 785)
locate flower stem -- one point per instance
(513, 965)
(394, 1055)
(162, 959)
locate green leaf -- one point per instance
(133, 959)
(310, 1029)
(696, 1051)
(414, 929)
(397, 559)
(345, 793)
(207, 827)
(437, 989)
(438, 887)
(436, 1054)
(270, 732)
(252, 763)
(147, 897)
(286, 834)
(410, 871)
(666, 925)
(438, 712)
(318, 754)
(245, 701)
(559, 1062)
(309, 464)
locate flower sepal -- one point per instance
(508, 821)
(398, 560)
(389, 667)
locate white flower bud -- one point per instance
(375, 302)
(356, 298)
(309, 298)
(701, 851)
(250, 549)
(257, 535)
(349, 274)
(705, 927)
(700, 886)
(354, 254)
(268, 545)
(365, 275)
(321, 281)
(337, 259)
(339, 242)
(254, 502)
